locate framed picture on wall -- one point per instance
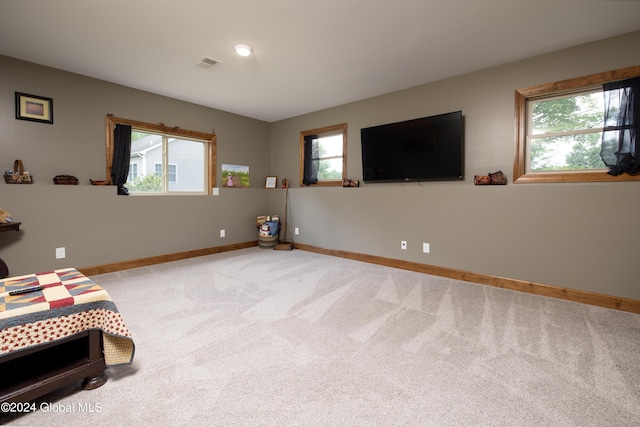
(271, 182)
(235, 176)
(34, 108)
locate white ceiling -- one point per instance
(308, 55)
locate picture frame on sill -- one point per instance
(271, 182)
(34, 108)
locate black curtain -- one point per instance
(311, 160)
(121, 157)
(620, 146)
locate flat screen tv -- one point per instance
(425, 149)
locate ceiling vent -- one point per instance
(206, 62)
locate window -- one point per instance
(171, 174)
(158, 152)
(323, 158)
(559, 130)
(565, 132)
(133, 171)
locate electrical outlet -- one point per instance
(222, 233)
(426, 248)
(60, 253)
(403, 245)
(296, 231)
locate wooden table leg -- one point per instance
(4, 270)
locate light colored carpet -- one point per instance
(276, 338)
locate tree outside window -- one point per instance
(325, 151)
(559, 129)
(566, 133)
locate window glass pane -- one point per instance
(330, 169)
(185, 171)
(146, 153)
(330, 145)
(568, 113)
(186, 165)
(565, 132)
(133, 171)
(330, 152)
(566, 152)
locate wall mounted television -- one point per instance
(425, 149)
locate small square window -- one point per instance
(323, 155)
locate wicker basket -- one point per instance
(267, 241)
(18, 175)
(65, 180)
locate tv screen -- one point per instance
(425, 149)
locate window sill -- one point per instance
(166, 194)
(324, 184)
(599, 176)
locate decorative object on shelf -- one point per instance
(65, 180)
(496, 178)
(34, 108)
(5, 216)
(347, 182)
(98, 182)
(271, 182)
(285, 183)
(18, 174)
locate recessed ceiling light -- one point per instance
(243, 49)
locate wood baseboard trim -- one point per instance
(584, 297)
(143, 262)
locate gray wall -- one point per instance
(579, 236)
(574, 235)
(94, 224)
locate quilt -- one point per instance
(68, 303)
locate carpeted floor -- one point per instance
(276, 338)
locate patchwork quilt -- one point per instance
(68, 303)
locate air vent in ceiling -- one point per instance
(206, 62)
